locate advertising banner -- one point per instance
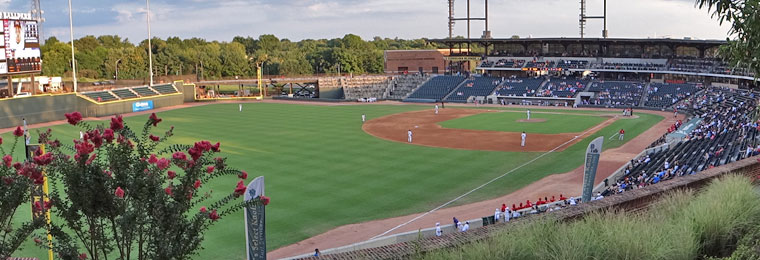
(593, 151)
(142, 106)
(255, 233)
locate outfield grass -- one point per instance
(323, 171)
(507, 122)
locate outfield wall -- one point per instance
(48, 108)
(37, 109)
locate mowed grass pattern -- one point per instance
(323, 171)
(508, 122)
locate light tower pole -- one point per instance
(150, 48)
(73, 59)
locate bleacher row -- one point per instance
(129, 93)
(714, 66)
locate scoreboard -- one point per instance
(20, 44)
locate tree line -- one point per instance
(100, 57)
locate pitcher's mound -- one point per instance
(536, 120)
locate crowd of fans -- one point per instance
(561, 88)
(618, 94)
(726, 133)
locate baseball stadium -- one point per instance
(465, 148)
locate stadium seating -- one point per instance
(630, 66)
(572, 64)
(144, 91)
(565, 88)
(478, 86)
(726, 133)
(617, 94)
(519, 87)
(402, 86)
(124, 93)
(100, 96)
(436, 88)
(665, 95)
(165, 89)
(355, 88)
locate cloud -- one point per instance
(299, 19)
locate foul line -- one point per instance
(489, 182)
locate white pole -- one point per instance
(150, 48)
(73, 60)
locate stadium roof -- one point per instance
(581, 40)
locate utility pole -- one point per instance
(73, 60)
(150, 48)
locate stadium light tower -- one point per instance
(469, 19)
(37, 16)
(583, 18)
(150, 47)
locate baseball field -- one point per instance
(324, 170)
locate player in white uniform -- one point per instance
(409, 135)
(364, 118)
(522, 138)
(528, 114)
(240, 107)
(436, 109)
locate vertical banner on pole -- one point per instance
(255, 233)
(593, 151)
(40, 195)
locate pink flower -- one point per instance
(83, 256)
(171, 174)
(7, 159)
(117, 123)
(210, 169)
(95, 137)
(1, 140)
(108, 135)
(73, 118)
(215, 147)
(213, 216)
(154, 119)
(37, 206)
(243, 175)
(83, 148)
(48, 204)
(195, 153)
(203, 209)
(264, 200)
(92, 158)
(107, 172)
(197, 184)
(8, 180)
(162, 163)
(42, 160)
(155, 138)
(179, 156)
(153, 159)
(119, 192)
(37, 241)
(18, 132)
(240, 189)
(168, 190)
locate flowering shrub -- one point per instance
(127, 198)
(18, 179)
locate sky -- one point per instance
(407, 19)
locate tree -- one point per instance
(18, 179)
(743, 48)
(126, 197)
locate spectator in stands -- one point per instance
(466, 226)
(316, 252)
(456, 223)
(496, 215)
(438, 231)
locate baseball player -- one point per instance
(528, 114)
(364, 118)
(409, 135)
(240, 107)
(522, 137)
(436, 109)
(622, 132)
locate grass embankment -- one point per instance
(683, 225)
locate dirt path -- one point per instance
(568, 184)
(427, 132)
